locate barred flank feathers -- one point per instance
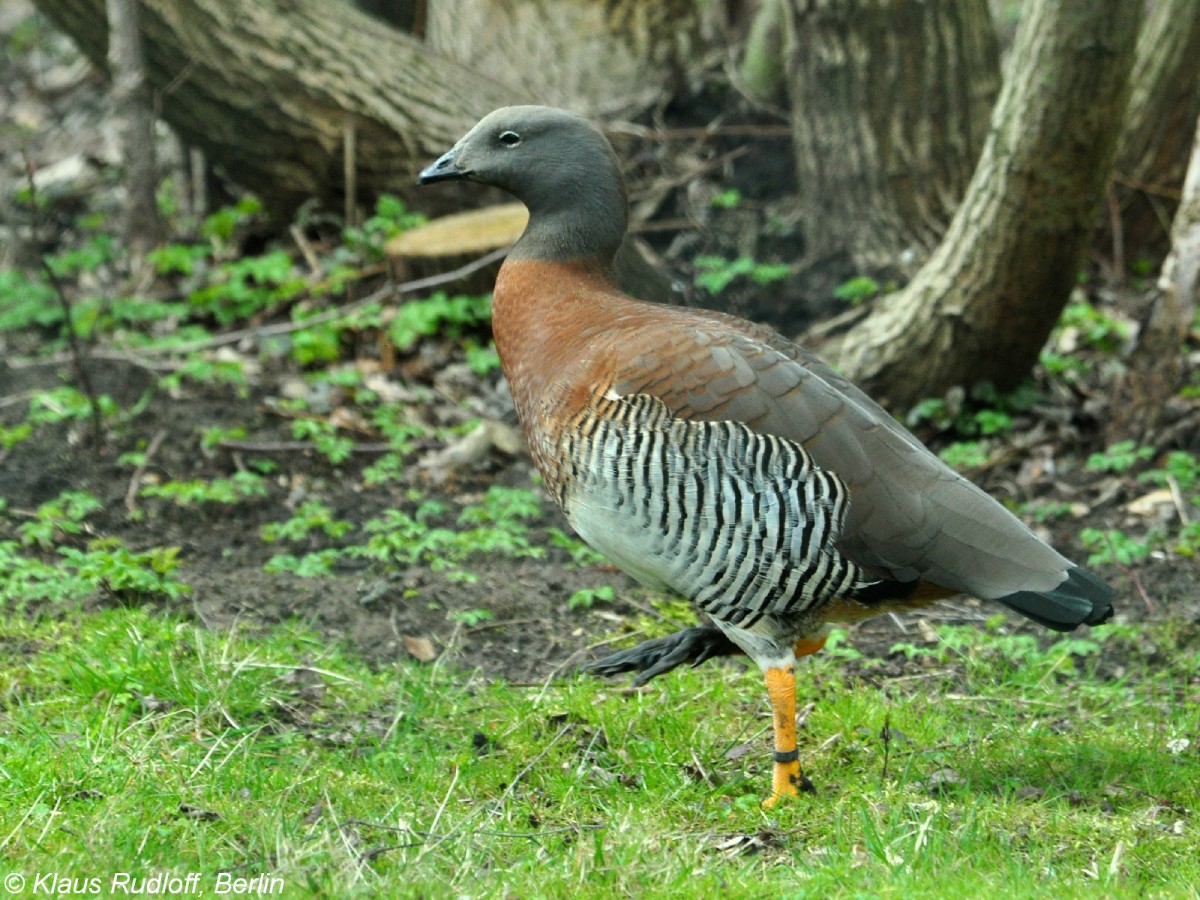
(743, 524)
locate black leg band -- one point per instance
(788, 756)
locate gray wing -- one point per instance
(910, 515)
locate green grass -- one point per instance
(135, 742)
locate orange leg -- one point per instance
(787, 779)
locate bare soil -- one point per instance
(387, 615)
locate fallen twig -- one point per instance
(306, 250)
(1177, 500)
(886, 734)
(437, 817)
(134, 480)
(673, 134)
(14, 399)
(294, 446)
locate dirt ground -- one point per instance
(385, 614)
(532, 635)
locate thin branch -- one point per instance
(512, 785)
(1118, 234)
(1177, 498)
(527, 835)
(350, 170)
(673, 134)
(288, 667)
(707, 166)
(1166, 191)
(78, 356)
(437, 817)
(886, 734)
(186, 72)
(14, 399)
(136, 478)
(135, 116)
(306, 249)
(507, 623)
(295, 446)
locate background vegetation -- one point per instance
(279, 594)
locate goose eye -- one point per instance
(510, 138)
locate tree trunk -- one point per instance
(761, 71)
(1152, 155)
(602, 58)
(1156, 366)
(268, 87)
(982, 306)
(131, 97)
(889, 106)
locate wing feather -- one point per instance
(910, 515)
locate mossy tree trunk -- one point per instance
(272, 89)
(889, 103)
(981, 308)
(1144, 395)
(598, 57)
(1152, 155)
(131, 95)
(268, 89)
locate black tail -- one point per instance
(1083, 599)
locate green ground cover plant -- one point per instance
(135, 741)
(957, 761)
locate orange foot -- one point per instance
(787, 781)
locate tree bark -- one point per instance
(131, 97)
(266, 87)
(1152, 154)
(982, 306)
(761, 71)
(1156, 365)
(889, 106)
(602, 58)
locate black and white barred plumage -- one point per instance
(743, 524)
